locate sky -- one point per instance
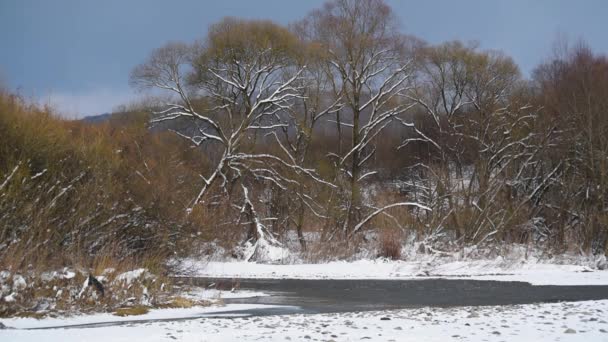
(77, 54)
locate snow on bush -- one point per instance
(68, 291)
(129, 277)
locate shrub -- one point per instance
(390, 244)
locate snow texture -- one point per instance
(199, 293)
(84, 287)
(497, 269)
(581, 321)
(263, 251)
(19, 282)
(130, 276)
(177, 313)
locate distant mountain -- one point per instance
(97, 118)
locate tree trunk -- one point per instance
(300, 224)
(355, 192)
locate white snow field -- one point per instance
(154, 314)
(498, 269)
(580, 321)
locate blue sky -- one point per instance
(77, 54)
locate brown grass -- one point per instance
(181, 303)
(390, 241)
(89, 196)
(132, 311)
(29, 314)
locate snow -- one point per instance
(39, 174)
(580, 321)
(130, 276)
(195, 294)
(497, 269)
(19, 282)
(264, 251)
(199, 293)
(4, 289)
(68, 275)
(10, 298)
(154, 314)
(108, 271)
(84, 287)
(51, 275)
(47, 276)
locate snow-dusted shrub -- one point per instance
(68, 291)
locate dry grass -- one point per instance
(389, 244)
(59, 291)
(179, 302)
(323, 250)
(84, 193)
(29, 314)
(132, 311)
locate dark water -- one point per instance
(324, 296)
(297, 296)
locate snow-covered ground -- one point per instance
(569, 321)
(578, 321)
(195, 294)
(154, 314)
(581, 321)
(497, 269)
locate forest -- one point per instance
(333, 136)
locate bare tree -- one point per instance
(367, 62)
(316, 104)
(245, 77)
(484, 139)
(573, 88)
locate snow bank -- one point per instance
(497, 269)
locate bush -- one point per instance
(73, 193)
(390, 244)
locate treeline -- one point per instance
(331, 131)
(340, 123)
